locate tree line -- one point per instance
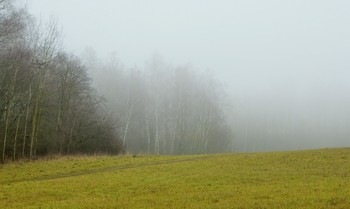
(50, 106)
(163, 109)
(47, 104)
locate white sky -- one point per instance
(255, 47)
(225, 36)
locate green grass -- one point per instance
(304, 179)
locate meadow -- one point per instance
(294, 179)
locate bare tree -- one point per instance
(45, 45)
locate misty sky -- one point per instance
(285, 58)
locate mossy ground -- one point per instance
(303, 179)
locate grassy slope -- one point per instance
(304, 179)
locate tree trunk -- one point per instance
(175, 128)
(58, 130)
(26, 121)
(148, 137)
(15, 140)
(34, 127)
(208, 129)
(128, 118)
(8, 112)
(71, 136)
(36, 113)
(156, 139)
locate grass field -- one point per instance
(303, 179)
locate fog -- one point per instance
(284, 64)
